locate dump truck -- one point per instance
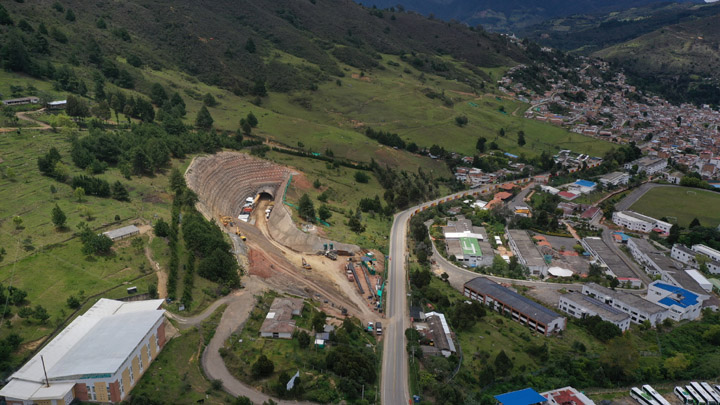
(306, 265)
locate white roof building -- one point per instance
(98, 357)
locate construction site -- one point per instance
(245, 197)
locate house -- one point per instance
(614, 179)
(689, 256)
(465, 250)
(648, 165)
(566, 195)
(583, 186)
(98, 357)
(606, 257)
(549, 189)
(581, 306)
(122, 233)
(527, 253)
(681, 303)
(278, 321)
(675, 177)
(439, 334)
(639, 309)
(522, 211)
(57, 105)
(567, 396)
(640, 223)
(528, 396)
(591, 213)
(654, 261)
(521, 309)
(21, 101)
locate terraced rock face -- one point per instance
(224, 180)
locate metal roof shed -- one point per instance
(122, 233)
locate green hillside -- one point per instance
(315, 74)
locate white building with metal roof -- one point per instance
(99, 357)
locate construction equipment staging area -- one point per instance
(246, 195)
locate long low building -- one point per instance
(614, 265)
(639, 222)
(99, 357)
(654, 261)
(522, 309)
(614, 179)
(581, 306)
(527, 253)
(639, 309)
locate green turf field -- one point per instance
(681, 203)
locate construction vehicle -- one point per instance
(330, 255)
(306, 265)
(225, 220)
(237, 232)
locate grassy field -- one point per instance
(176, 377)
(682, 203)
(345, 194)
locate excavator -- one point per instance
(237, 232)
(225, 220)
(306, 265)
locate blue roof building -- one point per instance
(528, 396)
(681, 303)
(585, 183)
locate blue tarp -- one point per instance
(528, 396)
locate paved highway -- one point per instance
(394, 379)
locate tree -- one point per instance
(102, 110)
(361, 177)
(73, 302)
(119, 192)
(70, 15)
(461, 120)
(306, 208)
(245, 127)
(674, 234)
(317, 183)
(101, 24)
(355, 225)
(676, 364)
(79, 193)
(480, 145)
(250, 46)
(209, 100)
(521, 138)
(161, 228)
(503, 364)
(242, 401)
(204, 120)
(58, 217)
(5, 17)
(303, 339)
(77, 107)
(694, 223)
(252, 120)
(502, 132)
(157, 94)
(177, 181)
(17, 220)
(13, 54)
(318, 321)
(324, 212)
(262, 367)
(41, 314)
